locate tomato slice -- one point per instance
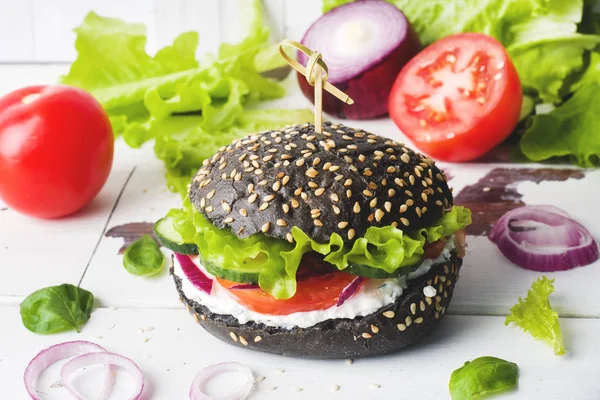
(458, 98)
(315, 293)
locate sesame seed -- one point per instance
(233, 336)
(356, 208)
(374, 386)
(408, 193)
(268, 197)
(374, 329)
(281, 222)
(250, 187)
(419, 320)
(348, 182)
(351, 234)
(228, 220)
(342, 224)
(304, 196)
(202, 202)
(263, 206)
(319, 191)
(401, 327)
(390, 170)
(422, 306)
(418, 211)
(285, 180)
(317, 222)
(211, 194)
(244, 212)
(424, 197)
(389, 314)
(311, 172)
(373, 203)
(277, 185)
(348, 193)
(209, 209)
(257, 339)
(398, 182)
(316, 161)
(289, 237)
(409, 202)
(408, 321)
(265, 228)
(388, 206)
(336, 209)
(391, 192)
(368, 193)
(334, 197)
(300, 162)
(295, 203)
(243, 341)
(405, 158)
(334, 168)
(379, 215)
(313, 185)
(260, 379)
(413, 308)
(349, 361)
(367, 335)
(286, 208)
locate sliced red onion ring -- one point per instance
(350, 290)
(106, 359)
(207, 373)
(52, 354)
(194, 274)
(543, 238)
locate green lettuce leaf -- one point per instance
(385, 248)
(571, 129)
(188, 108)
(482, 377)
(535, 315)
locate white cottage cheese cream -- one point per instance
(370, 297)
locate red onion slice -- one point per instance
(543, 238)
(194, 274)
(243, 286)
(207, 373)
(52, 354)
(106, 359)
(365, 44)
(350, 290)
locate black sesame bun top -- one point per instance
(343, 180)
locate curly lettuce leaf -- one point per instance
(535, 315)
(188, 108)
(571, 129)
(482, 377)
(385, 248)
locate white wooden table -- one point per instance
(35, 254)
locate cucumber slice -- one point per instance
(376, 273)
(171, 239)
(245, 275)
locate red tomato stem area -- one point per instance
(458, 98)
(56, 150)
(315, 291)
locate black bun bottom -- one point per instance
(389, 329)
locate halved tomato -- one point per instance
(458, 98)
(315, 293)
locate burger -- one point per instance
(338, 244)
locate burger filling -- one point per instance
(302, 282)
(370, 296)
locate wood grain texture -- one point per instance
(176, 349)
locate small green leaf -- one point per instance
(143, 257)
(535, 315)
(57, 309)
(482, 377)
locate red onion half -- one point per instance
(543, 238)
(365, 44)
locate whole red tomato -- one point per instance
(56, 150)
